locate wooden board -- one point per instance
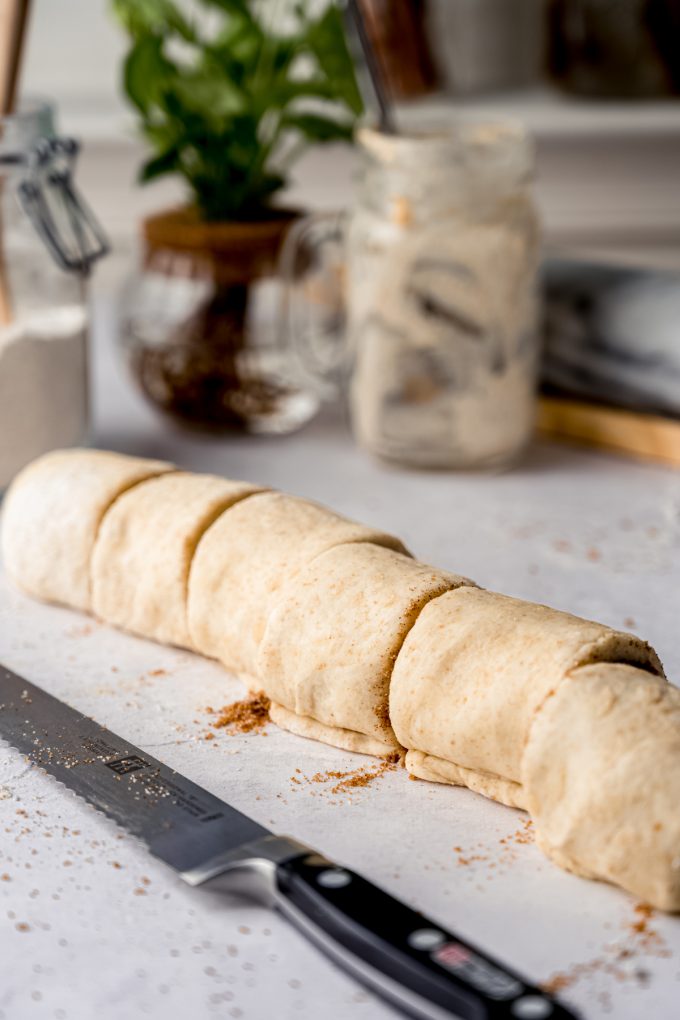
(645, 436)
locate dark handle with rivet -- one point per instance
(425, 971)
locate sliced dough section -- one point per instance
(312, 729)
(437, 770)
(143, 553)
(332, 638)
(475, 669)
(243, 561)
(602, 775)
(52, 513)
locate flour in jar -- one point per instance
(43, 385)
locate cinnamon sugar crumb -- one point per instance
(641, 926)
(352, 779)
(616, 960)
(247, 716)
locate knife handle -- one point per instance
(410, 961)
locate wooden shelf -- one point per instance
(644, 436)
(551, 114)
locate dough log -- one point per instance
(359, 645)
(144, 550)
(246, 558)
(331, 641)
(472, 674)
(602, 775)
(51, 517)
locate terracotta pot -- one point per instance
(208, 370)
(235, 251)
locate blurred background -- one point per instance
(240, 116)
(594, 80)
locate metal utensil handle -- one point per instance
(368, 66)
(74, 238)
(408, 960)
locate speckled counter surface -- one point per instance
(92, 927)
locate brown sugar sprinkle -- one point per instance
(352, 779)
(22, 926)
(525, 834)
(247, 716)
(158, 672)
(471, 859)
(640, 927)
(641, 940)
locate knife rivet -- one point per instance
(426, 938)
(334, 878)
(531, 1007)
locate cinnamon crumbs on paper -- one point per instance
(247, 716)
(619, 960)
(352, 779)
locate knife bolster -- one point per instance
(248, 870)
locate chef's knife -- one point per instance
(407, 959)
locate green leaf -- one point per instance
(309, 88)
(230, 6)
(145, 72)
(141, 17)
(326, 38)
(213, 98)
(165, 163)
(216, 98)
(318, 128)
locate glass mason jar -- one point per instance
(440, 253)
(44, 234)
(199, 325)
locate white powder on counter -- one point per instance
(43, 386)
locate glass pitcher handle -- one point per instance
(312, 319)
(57, 211)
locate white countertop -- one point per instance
(92, 927)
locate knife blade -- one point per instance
(411, 961)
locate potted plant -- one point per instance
(228, 100)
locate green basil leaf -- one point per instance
(165, 163)
(141, 17)
(327, 41)
(145, 72)
(318, 128)
(216, 108)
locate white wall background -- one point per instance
(73, 54)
